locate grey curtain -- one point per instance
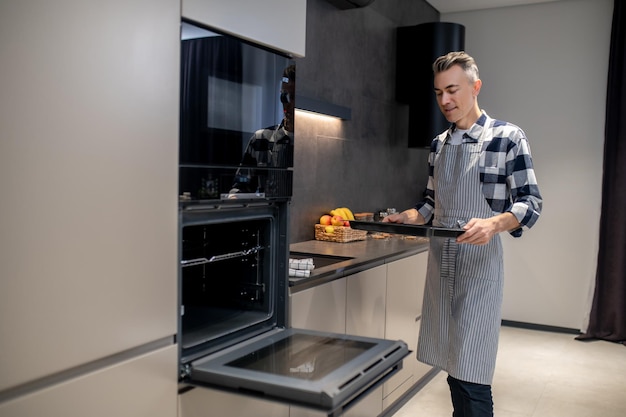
(608, 312)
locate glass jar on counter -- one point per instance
(384, 213)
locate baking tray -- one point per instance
(407, 229)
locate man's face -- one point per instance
(456, 96)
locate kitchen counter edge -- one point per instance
(365, 254)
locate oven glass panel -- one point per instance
(236, 117)
(317, 369)
(303, 356)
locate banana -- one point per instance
(340, 211)
(349, 214)
(344, 212)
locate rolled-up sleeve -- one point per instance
(525, 196)
(426, 206)
(508, 177)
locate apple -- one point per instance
(336, 220)
(329, 229)
(325, 220)
(346, 223)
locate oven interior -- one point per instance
(231, 264)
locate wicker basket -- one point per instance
(341, 234)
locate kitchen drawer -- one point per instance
(142, 386)
(204, 402)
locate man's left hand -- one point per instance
(480, 231)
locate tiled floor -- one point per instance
(542, 374)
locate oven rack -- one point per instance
(216, 258)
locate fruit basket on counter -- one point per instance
(335, 227)
(340, 234)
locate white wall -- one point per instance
(544, 68)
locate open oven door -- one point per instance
(325, 371)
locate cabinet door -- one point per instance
(277, 24)
(420, 368)
(405, 290)
(320, 308)
(365, 310)
(141, 387)
(353, 305)
(88, 160)
(204, 402)
(370, 406)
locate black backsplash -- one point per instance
(363, 163)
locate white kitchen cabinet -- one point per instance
(352, 305)
(325, 308)
(365, 309)
(143, 386)
(205, 402)
(420, 368)
(369, 406)
(88, 172)
(365, 316)
(405, 290)
(277, 24)
(383, 302)
(320, 308)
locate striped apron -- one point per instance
(464, 285)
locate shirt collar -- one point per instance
(474, 132)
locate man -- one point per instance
(481, 178)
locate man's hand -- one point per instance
(395, 218)
(410, 216)
(480, 231)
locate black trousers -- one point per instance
(470, 399)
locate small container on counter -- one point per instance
(365, 217)
(384, 213)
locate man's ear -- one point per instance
(477, 84)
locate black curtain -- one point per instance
(220, 57)
(608, 312)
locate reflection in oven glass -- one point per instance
(303, 356)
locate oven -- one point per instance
(235, 189)
(233, 290)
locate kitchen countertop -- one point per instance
(364, 254)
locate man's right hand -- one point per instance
(410, 216)
(395, 218)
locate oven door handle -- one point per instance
(366, 391)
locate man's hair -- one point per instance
(290, 72)
(460, 58)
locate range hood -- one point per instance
(417, 48)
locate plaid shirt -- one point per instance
(506, 171)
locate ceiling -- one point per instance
(450, 6)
